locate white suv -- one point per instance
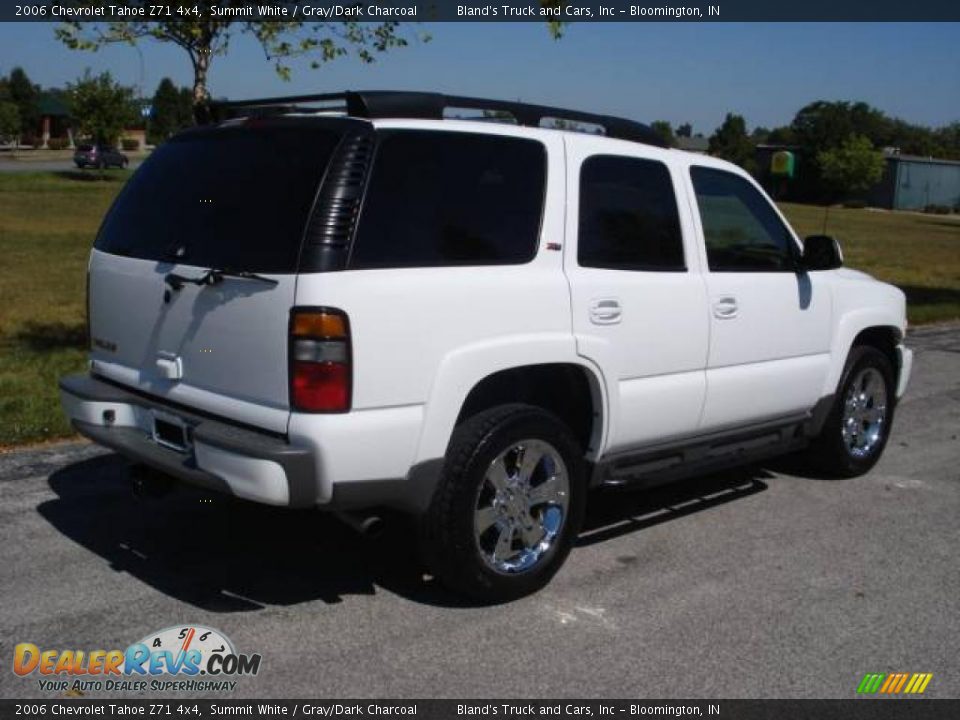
(371, 306)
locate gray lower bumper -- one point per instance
(221, 456)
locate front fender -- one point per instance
(849, 326)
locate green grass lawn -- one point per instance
(47, 224)
(48, 220)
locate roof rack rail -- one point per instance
(430, 106)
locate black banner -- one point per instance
(481, 11)
(854, 709)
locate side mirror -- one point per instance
(821, 252)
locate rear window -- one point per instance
(231, 198)
(450, 198)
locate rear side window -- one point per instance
(231, 198)
(742, 231)
(449, 198)
(628, 216)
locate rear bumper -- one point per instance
(249, 464)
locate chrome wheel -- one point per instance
(521, 506)
(864, 413)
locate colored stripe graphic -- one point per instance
(870, 683)
(894, 683)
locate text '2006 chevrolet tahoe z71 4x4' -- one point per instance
(475, 322)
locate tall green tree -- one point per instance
(205, 38)
(23, 93)
(852, 168)
(685, 130)
(171, 111)
(9, 122)
(731, 142)
(665, 131)
(101, 107)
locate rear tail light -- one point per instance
(320, 367)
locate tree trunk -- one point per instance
(201, 98)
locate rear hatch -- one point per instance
(233, 199)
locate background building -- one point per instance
(913, 183)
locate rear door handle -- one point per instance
(725, 308)
(605, 311)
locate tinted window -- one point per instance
(443, 198)
(742, 231)
(628, 215)
(234, 198)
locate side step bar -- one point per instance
(664, 463)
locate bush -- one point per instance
(937, 209)
(57, 143)
(130, 144)
(855, 204)
(31, 140)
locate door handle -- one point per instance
(605, 311)
(725, 308)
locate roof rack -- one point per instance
(431, 106)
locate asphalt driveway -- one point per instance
(753, 583)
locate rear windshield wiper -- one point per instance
(214, 276)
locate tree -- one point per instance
(9, 121)
(171, 111)
(852, 168)
(759, 135)
(101, 107)
(732, 143)
(826, 125)
(206, 38)
(665, 131)
(23, 94)
(685, 130)
(783, 135)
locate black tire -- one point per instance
(450, 547)
(829, 452)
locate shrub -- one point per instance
(57, 143)
(31, 140)
(130, 144)
(937, 209)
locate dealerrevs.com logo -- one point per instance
(179, 658)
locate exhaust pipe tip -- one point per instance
(370, 526)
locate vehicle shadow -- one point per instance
(226, 555)
(620, 511)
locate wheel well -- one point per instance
(568, 391)
(885, 339)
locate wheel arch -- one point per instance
(865, 328)
(475, 380)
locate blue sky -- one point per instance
(680, 72)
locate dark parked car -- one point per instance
(99, 156)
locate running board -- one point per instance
(694, 456)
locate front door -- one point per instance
(769, 324)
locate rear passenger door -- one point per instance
(770, 325)
(638, 299)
